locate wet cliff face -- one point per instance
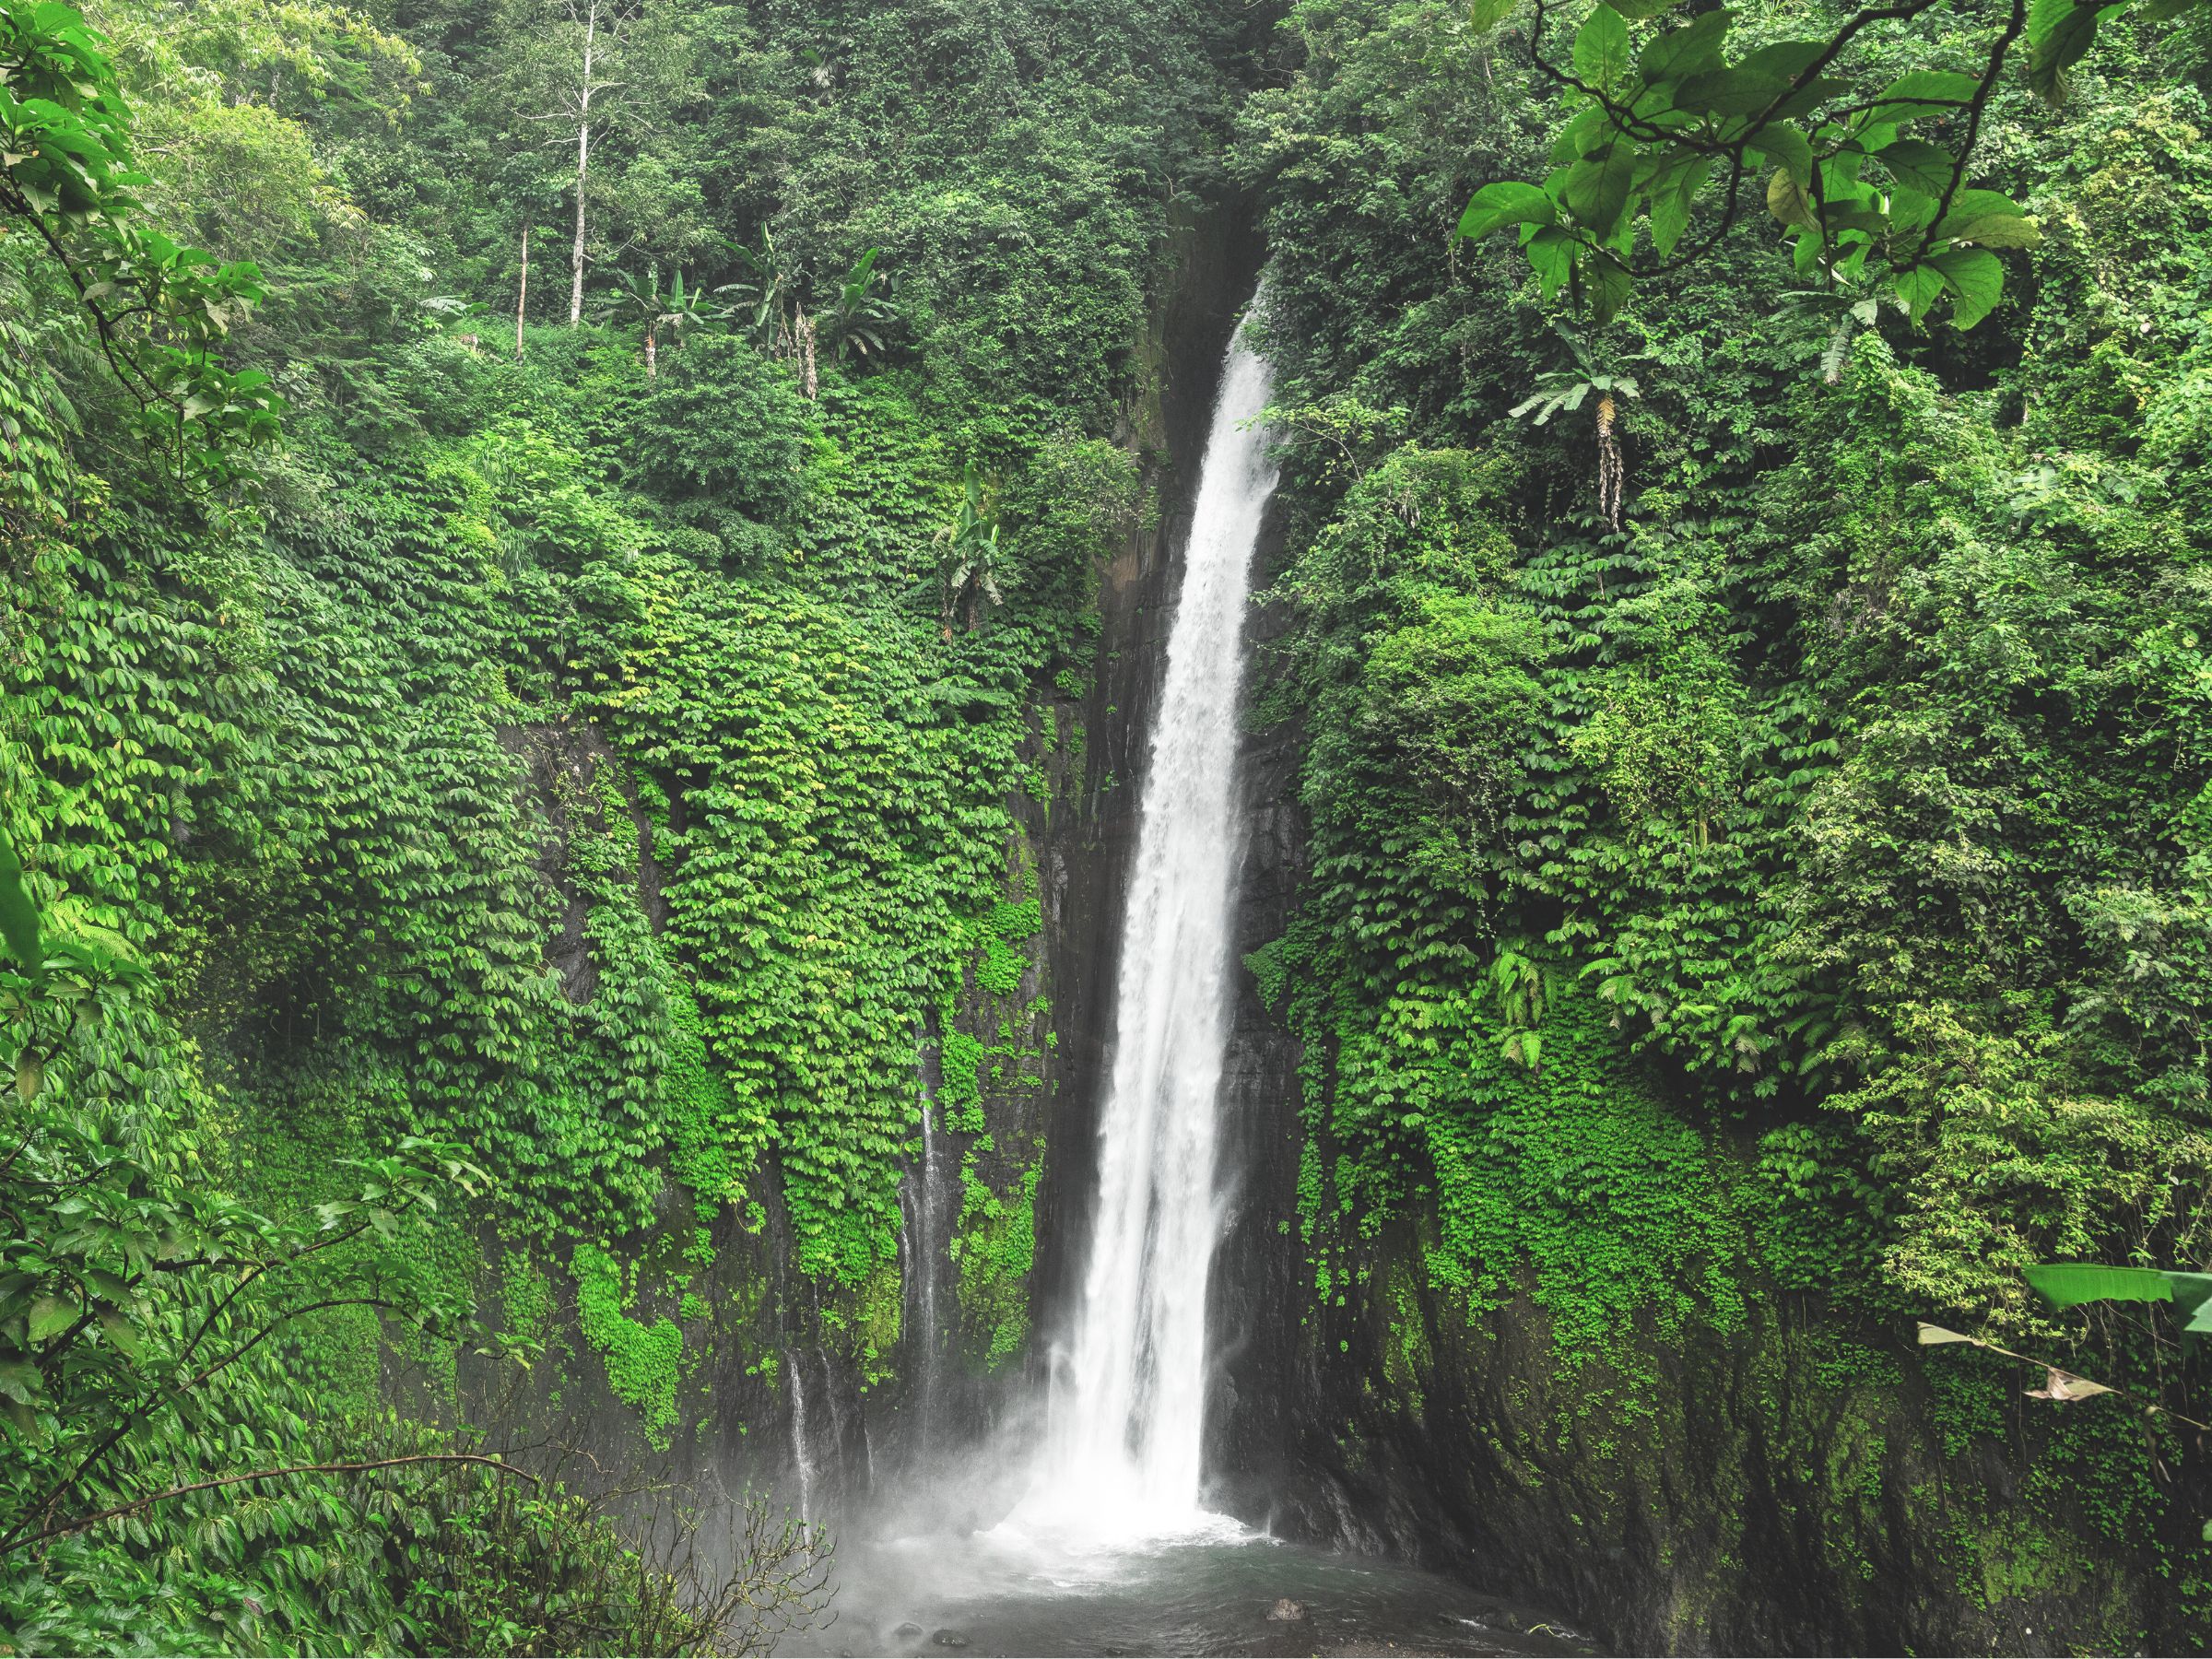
(859, 1402)
(1748, 1494)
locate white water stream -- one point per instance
(1123, 1455)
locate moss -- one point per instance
(867, 1319)
(644, 1363)
(959, 1086)
(993, 1249)
(526, 1299)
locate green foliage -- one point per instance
(2070, 1284)
(993, 1249)
(158, 311)
(561, 759)
(644, 1363)
(1830, 782)
(168, 1481)
(723, 433)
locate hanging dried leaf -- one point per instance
(2065, 1385)
(1933, 1335)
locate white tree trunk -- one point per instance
(584, 161)
(521, 294)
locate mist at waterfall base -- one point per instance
(1087, 1533)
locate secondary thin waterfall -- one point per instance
(1125, 1449)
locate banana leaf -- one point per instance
(2069, 1284)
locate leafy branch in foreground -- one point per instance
(1870, 183)
(130, 1297)
(160, 312)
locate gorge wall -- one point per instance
(1745, 1470)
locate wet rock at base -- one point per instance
(1287, 1611)
(950, 1638)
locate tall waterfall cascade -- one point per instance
(1121, 1454)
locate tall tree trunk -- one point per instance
(807, 349)
(583, 162)
(521, 294)
(652, 354)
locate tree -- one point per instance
(775, 289)
(857, 315)
(603, 25)
(769, 289)
(1567, 389)
(1869, 183)
(128, 1299)
(968, 569)
(644, 302)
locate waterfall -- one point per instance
(921, 1225)
(1124, 1449)
(929, 1189)
(802, 1454)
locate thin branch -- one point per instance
(1627, 124)
(1948, 1336)
(2014, 27)
(330, 1468)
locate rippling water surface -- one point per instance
(1208, 1588)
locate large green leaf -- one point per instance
(1736, 91)
(1788, 149)
(2059, 33)
(1919, 287)
(1977, 203)
(1601, 48)
(1690, 49)
(2070, 1284)
(1609, 287)
(1919, 166)
(49, 1316)
(18, 914)
(1922, 93)
(1976, 279)
(1551, 254)
(2193, 1297)
(1597, 186)
(1999, 230)
(1508, 201)
(1671, 201)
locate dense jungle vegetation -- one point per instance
(521, 665)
